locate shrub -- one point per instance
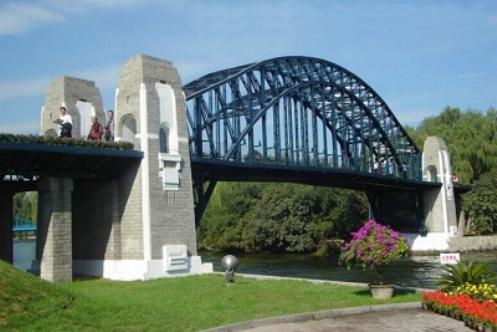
(34, 139)
(480, 205)
(465, 272)
(374, 246)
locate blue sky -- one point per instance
(418, 55)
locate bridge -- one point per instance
(23, 225)
(131, 214)
(300, 119)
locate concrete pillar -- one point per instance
(438, 204)
(54, 238)
(440, 207)
(6, 252)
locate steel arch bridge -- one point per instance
(297, 119)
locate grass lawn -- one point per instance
(178, 304)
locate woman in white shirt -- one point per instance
(65, 122)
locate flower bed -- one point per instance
(481, 316)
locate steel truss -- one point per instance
(296, 113)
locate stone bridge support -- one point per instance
(439, 204)
(6, 245)
(158, 211)
(54, 234)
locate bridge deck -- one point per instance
(266, 172)
(31, 160)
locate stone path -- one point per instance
(406, 320)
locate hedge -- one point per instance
(36, 139)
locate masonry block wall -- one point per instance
(167, 216)
(120, 224)
(96, 220)
(79, 96)
(54, 233)
(6, 244)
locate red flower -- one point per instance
(481, 312)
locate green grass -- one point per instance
(178, 304)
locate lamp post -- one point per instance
(229, 263)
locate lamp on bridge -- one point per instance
(230, 263)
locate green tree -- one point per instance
(480, 205)
(256, 217)
(471, 138)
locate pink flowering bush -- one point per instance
(372, 247)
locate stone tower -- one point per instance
(439, 203)
(159, 214)
(139, 222)
(81, 99)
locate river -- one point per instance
(418, 271)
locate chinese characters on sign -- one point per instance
(450, 258)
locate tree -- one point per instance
(480, 204)
(471, 138)
(257, 217)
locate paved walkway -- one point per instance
(391, 321)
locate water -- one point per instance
(24, 253)
(419, 271)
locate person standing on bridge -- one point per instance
(109, 128)
(65, 122)
(96, 130)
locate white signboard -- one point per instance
(450, 258)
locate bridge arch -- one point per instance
(224, 98)
(296, 113)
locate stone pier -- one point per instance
(54, 237)
(439, 203)
(6, 252)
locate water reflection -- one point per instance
(418, 271)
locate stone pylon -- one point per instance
(82, 100)
(158, 220)
(439, 203)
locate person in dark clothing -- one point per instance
(109, 127)
(96, 130)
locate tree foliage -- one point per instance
(25, 204)
(471, 138)
(256, 217)
(480, 204)
(465, 272)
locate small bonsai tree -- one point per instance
(374, 246)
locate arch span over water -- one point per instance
(297, 119)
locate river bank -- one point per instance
(417, 271)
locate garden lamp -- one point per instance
(229, 263)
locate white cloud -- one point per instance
(469, 75)
(23, 88)
(104, 77)
(86, 5)
(20, 17)
(492, 19)
(20, 127)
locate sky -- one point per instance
(420, 56)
